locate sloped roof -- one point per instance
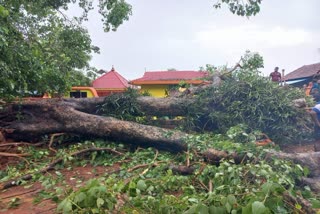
(111, 79)
(153, 77)
(304, 71)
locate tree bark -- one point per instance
(77, 116)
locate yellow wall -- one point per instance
(89, 93)
(155, 90)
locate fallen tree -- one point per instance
(77, 116)
(213, 108)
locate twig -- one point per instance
(13, 155)
(144, 165)
(188, 159)
(51, 141)
(210, 185)
(156, 155)
(21, 156)
(203, 185)
(15, 195)
(52, 164)
(20, 144)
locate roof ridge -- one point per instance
(121, 78)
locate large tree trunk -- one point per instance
(77, 116)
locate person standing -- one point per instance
(316, 76)
(275, 75)
(315, 115)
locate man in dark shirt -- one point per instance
(316, 76)
(275, 76)
(315, 115)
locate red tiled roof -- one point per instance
(111, 79)
(151, 76)
(304, 71)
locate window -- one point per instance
(78, 94)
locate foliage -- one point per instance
(251, 99)
(122, 105)
(92, 198)
(241, 8)
(249, 187)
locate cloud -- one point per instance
(252, 37)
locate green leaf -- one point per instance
(193, 200)
(258, 207)
(315, 203)
(218, 210)
(228, 207)
(80, 197)
(298, 206)
(203, 209)
(231, 199)
(141, 185)
(247, 209)
(100, 202)
(3, 12)
(65, 206)
(250, 155)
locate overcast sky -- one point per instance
(187, 34)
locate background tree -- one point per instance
(240, 7)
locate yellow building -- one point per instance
(82, 92)
(159, 83)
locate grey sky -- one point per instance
(191, 33)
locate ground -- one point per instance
(28, 199)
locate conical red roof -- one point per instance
(111, 79)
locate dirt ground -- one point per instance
(22, 199)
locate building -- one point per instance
(110, 82)
(159, 83)
(302, 75)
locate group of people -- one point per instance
(312, 89)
